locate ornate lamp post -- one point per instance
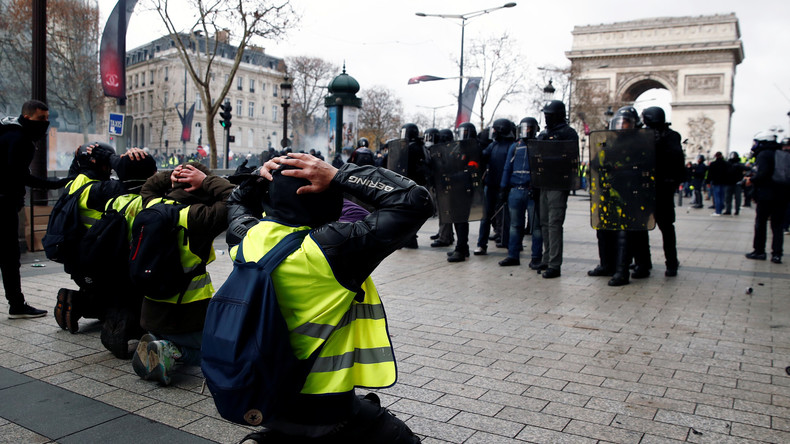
(548, 91)
(285, 89)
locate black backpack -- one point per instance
(246, 355)
(155, 254)
(104, 250)
(65, 230)
(781, 175)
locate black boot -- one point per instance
(458, 255)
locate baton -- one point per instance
(497, 211)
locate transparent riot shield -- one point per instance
(554, 165)
(398, 156)
(457, 180)
(622, 180)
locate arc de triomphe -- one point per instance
(694, 58)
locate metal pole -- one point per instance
(39, 79)
(284, 142)
(184, 142)
(120, 141)
(461, 78)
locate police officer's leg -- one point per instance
(557, 202)
(517, 208)
(777, 229)
(762, 211)
(639, 246)
(623, 259)
(607, 242)
(533, 207)
(543, 216)
(490, 195)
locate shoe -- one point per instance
(775, 259)
(534, 264)
(61, 306)
(737, 213)
(500, 245)
(756, 255)
(509, 261)
(434, 236)
(162, 356)
(25, 311)
(481, 251)
(715, 214)
(140, 362)
(464, 252)
(640, 272)
(671, 272)
(600, 271)
(72, 314)
(727, 213)
(618, 280)
(551, 273)
(457, 256)
(411, 244)
(712, 207)
(440, 243)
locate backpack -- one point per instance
(781, 175)
(65, 229)
(155, 252)
(104, 250)
(247, 359)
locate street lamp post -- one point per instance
(548, 91)
(285, 89)
(464, 18)
(434, 108)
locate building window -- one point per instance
(274, 113)
(263, 87)
(274, 90)
(198, 102)
(136, 79)
(252, 85)
(152, 77)
(142, 79)
(151, 102)
(167, 94)
(251, 109)
(239, 103)
(263, 110)
(240, 83)
(251, 138)
(167, 70)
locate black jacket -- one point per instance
(719, 172)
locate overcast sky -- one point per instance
(384, 43)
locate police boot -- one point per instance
(621, 273)
(458, 255)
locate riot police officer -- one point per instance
(362, 155)
(616, 247)
(516, 179)
(670, 173)
(444, 237)
(466, 131)
(553, 203)
(495, 155)
(417, 168)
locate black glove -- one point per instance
(501, 196)
(243, 168)
(244, 173)
(102, 154)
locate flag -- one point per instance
(419, 79)
(112, 53)
(186, 123)
(467, 100)
(586, 129)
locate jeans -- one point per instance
(519, 203)
(718, 197)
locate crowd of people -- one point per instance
(347, 217)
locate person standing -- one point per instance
(734, 187)
(718, 176)
(771, 197)
(495, 155)
(520, 201)
(670, 173)
(17, 146)
(698, 174)
(553, 203)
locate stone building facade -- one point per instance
(158, 85)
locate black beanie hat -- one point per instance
(280, 202)
(129, 169)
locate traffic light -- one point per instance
(226, 115)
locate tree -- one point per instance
(72, 58)
(214, 24)
(310, 77)
(501, 67)
(381, 115)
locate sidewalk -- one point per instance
(486, 354)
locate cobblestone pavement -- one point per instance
(486, 354)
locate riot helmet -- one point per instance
(362, 143)
(734, 156)
(445, 135)
(503, 129)
(654, 117)
(625, 118)
(466, 131)
(410, 132)
(528, 128)
(484, 137)
(554, 112)
(430, 136)
(700, 158)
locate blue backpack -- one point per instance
(247, 359)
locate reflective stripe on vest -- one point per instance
(320, 312)
(200, 286)
(88, 216)
(135, 206)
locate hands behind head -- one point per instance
(318, 172)
(135, 153)
(189, 175)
